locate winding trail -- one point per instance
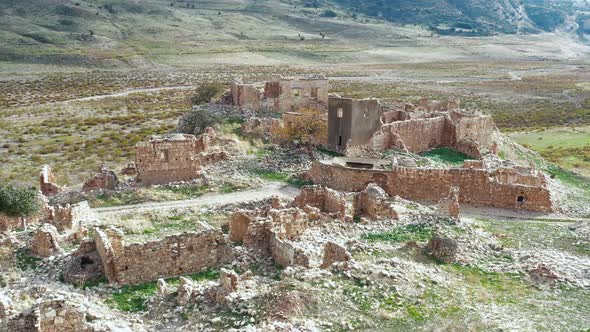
(128, 92)
(268, 190)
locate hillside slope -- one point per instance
(111, 33)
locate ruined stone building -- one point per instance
(171, 158)
(171, 256)
(245, 95)
(281, 94)
(292, 94)
(352, 121)
(478, 183)
(364, 123)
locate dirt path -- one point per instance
(267, 191)
(128, 92)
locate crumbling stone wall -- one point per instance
(333, 253)
(48, 182)
(467, 133)
(105, 179)
(71, 216)
(486, 187)
(325, 199)
(169, 159)
(45, 242)
(171, 256)
(292, 94)
(374, 202)
(245, 95)
(285, 253)
(59, 316)
(418, 135)
(238, 224)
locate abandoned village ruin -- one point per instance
(375, 179)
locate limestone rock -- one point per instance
(443, 249)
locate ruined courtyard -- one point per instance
(363, 224)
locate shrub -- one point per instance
(67, 11)
(329, 13)
(309, 129)
(195, 121)
(206, 92)
(19, 201)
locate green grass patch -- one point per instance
(501, 288)
(26, 261)
(447, 156)
(569, 178)
(412, 232)
(132, 298)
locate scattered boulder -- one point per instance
(162, 287)
(185, 290)
(333, 253)
(443, 249)
(229, 280)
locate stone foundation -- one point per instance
(512, 188)
(171, 256)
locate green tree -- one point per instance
(19, 201)
(206, 92)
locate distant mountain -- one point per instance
(138, 32)
(472, 17)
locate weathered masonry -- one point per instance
(502, 187)
(352, 121)
(292, 94)
(171, 256)
(365, 123)
(169, 158)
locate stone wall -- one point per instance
(292, 94)
(245, 95)
(47, 182)
(285, 253)
(477, 186)
(418, 135)
(105, 179)
(171, 256)
(374, 202)
(45, 241)
(325, 199)
(71, 217)
(169, 159)
(467, 133)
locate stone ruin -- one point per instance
(366, 123)
(276, 230)
(281, 94)
(479, 183)
(45, 242)
(105, 179)
(171, 256)
(47, 182)
(170, 158)
(62, 312)
(174, 158)
(449, 206)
